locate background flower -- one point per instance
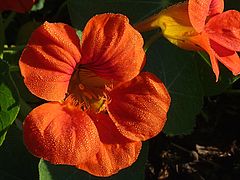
(20, 6)
(201, 25)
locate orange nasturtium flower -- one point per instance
(102, 105)
(20, 6)
(201, 24)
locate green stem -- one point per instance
(204, 58)
(24, 107)
(151, 40)
(9, 19)
(2, 36)
(236, 78)
(233, 92)
(60, 9)
(14, 68)
(3, 26)
(204, 115)
(14, 84)
(14, 48)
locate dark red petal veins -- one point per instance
(60, 135)
(116, 151)
(112, 48)
(227, 57)
(49, 59)
(139, 107)
(199, 10)
(225, 29)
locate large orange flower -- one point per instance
(201, 24)
(103, 107)
(20, 6)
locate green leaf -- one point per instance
(48, 171)
(231, 4)
(26, 98)
(208, 80)
(38, 6)
(25, 32)
(9, 105)
(81, 11)
(79, 33)
(179, 72)
(15, 162)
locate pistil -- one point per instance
(87, 91)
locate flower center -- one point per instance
(87, 90)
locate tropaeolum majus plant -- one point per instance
(101, 106)
(201, 24)
(20, 6)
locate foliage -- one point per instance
(187, 75)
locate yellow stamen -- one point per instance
(88, 90)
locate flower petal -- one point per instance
(173, 21)
(216, 7)
(116, 152)
(112, 48)
(20, 6)
(203, 41)
(227, 57)
(175, 25)
(49, 59)
(139, 107)
(225, 29)
(199, 10)
(60, 135)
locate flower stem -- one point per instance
(236, 78)
(3, 25)
(9, 19)
(204, 58)
(62, 6)
(151, 40)
(13, 68)
(24, 107)
(2, 36)
(233, 92)
(13, 48)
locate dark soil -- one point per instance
(211, 151)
